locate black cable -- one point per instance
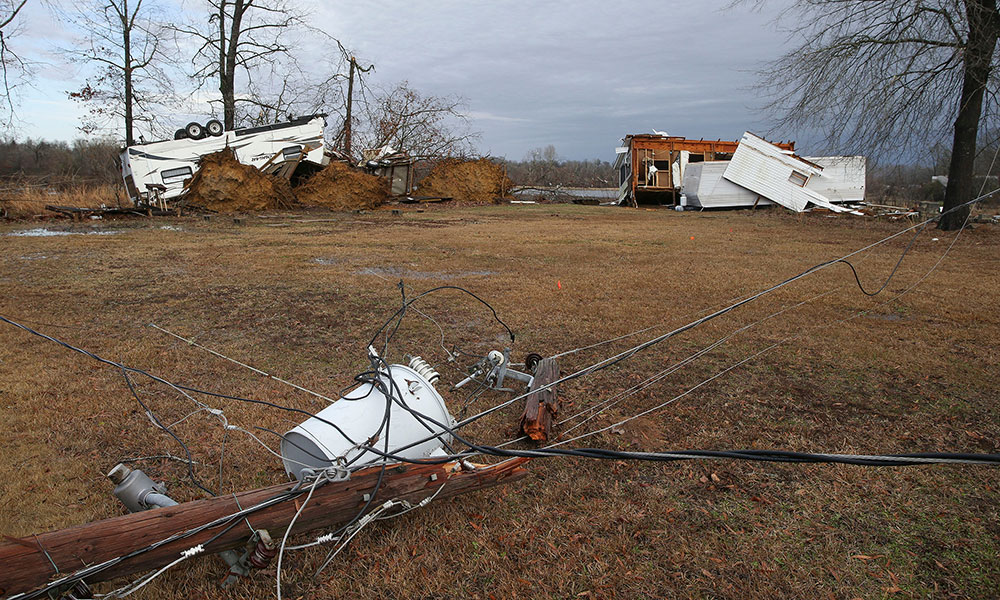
(402, 314)
(437, 289)
(894, 460)
(894, 269)
(250, 401)
(398, 399)
(156, 420)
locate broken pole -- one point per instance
(541, 405)
(350, 98)
(32, 561)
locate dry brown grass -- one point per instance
(301, 299)
(30, 202)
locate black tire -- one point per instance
(180, 134)
(194, 131)
(214, 128)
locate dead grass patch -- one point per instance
(563, 277)
(29, 202)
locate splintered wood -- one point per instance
(541, 405)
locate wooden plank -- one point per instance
(26, 566)
(541, 405)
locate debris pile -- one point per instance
(660, 169)
(224, 184)
(469, 182)
(340, 187)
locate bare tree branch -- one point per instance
(14, 68)
(124, 40)
(890, 77)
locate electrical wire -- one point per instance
(406, 303)
(156, 420)
(605, 363)
(281, 549)
(236, 362)
(756, 455)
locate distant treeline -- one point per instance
(543, 168)
(59, 163)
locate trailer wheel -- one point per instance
(214, 127)
(194, 131)
(180, 134)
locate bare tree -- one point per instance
(246, 39)
(541, 166)
(124, 43)
(423, 126)
(892, 77)
(284, 89)
(13, 66)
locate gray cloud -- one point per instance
(577, 75)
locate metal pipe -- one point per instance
(158, 500)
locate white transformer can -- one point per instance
(359, 414)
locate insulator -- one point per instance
(495, 357)
(263, 552)
(424, 369)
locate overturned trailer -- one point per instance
(792, 181)
(842, 180)
(156, 172)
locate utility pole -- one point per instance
(28, 562)
(350, 100)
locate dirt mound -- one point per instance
(340, 187)
(479, 181)
(224, 184)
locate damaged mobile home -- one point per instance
(720, 174)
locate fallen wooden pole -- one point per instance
(30, 562)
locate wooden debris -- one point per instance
(541, 405)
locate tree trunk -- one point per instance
(984, 27)
(127, 72)
(229, 94)
(226, 79)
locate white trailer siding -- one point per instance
(765, 169)
(172, 162)
(842, 179)
(705, 187)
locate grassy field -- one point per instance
(300, 294)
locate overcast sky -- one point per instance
(578, 75)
